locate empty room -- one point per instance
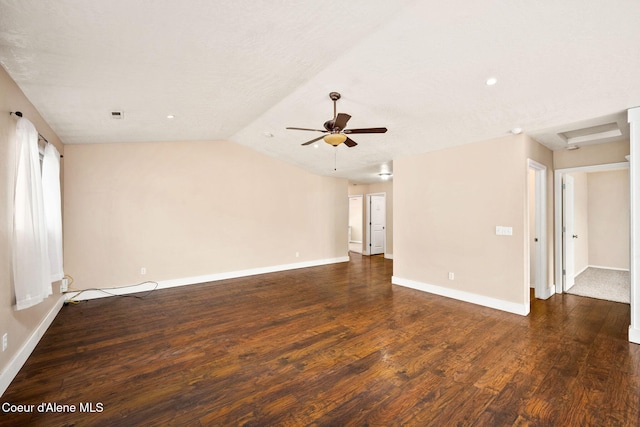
(319, 213)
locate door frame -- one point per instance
(367, 246)
(540, 268)
(559, 246)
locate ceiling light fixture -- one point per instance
(385, 175)
(491, 81)
(335, 139)
(170, 116)
(573, 147)
(267, 134)
(516, 131)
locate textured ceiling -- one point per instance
(235, 70)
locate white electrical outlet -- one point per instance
(5, 341)
(64, 285)
(297, 254)
(143, 271)
(451, 276)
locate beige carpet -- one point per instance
(611, 285)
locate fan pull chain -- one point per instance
(335, 158)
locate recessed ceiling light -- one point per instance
(516, 131)
(170, 116)
(491, 81)
(315, 146)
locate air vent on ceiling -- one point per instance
(117, 115)
(593, 133)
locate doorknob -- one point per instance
(575, 236)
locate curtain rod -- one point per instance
(19, 114)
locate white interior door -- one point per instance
(533, 239)
(377, 209)
(568, 236)
(538, 229)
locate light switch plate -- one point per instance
(504, 231)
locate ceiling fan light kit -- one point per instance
(335, 129)
(335, 139)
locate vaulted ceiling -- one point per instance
(243, 71)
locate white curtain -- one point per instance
(53, 209)
(31, 268)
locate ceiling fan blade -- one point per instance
(365, 130)
(341, 120)
(314, 130)
(350, 142)
(313, 140)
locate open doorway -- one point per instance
(592, 231)
(378, 234)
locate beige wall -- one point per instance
(609, 219)
(356, 214)
(379, 187)
(19, 325)
(613, 152)
(447, 205)
(186, 209)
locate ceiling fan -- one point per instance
(335, 130)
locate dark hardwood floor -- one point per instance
(336, 345)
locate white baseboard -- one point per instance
(548, 292)
(172, 283)
(634, 335)
(608, 268)
(521, 309)
(581, 271)
(16, 363)
(388, 256)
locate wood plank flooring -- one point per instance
(336, 345)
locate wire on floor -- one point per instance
(78, 292)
